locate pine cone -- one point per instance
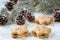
(9, 6)
(31, 18)
(57, 17)
(20, 20)
(23, 13)
(3, 20)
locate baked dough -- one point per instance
(19, 32)
(41, 31)
(45, 19)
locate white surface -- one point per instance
(5, 31)
(2, 3)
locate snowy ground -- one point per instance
(2, 3)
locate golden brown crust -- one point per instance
(19, 32)
(45, 19)
(41, 31)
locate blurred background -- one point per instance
(35, 5)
